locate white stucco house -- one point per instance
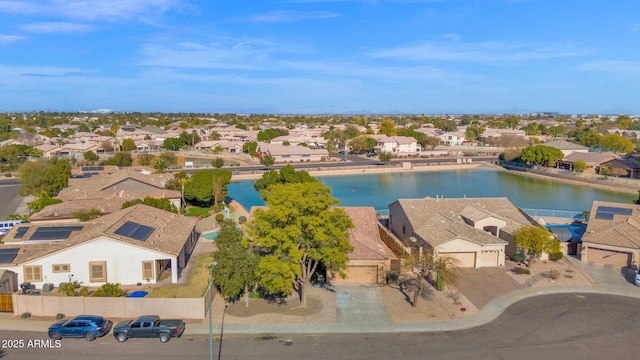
(396, 144)
(140, 244)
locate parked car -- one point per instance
(89, 327)
(637, 282)
(148, 326)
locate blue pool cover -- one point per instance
(138, 294)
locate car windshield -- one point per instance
(100, 322)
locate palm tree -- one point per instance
(161, 165)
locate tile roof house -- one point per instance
(478, 232)
(371, 257)
(567, 147)
(593, 160)
(284, 154)
(139, 244)
(612, 235)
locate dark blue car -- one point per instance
(87, 326)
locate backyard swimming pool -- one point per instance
(576, 230)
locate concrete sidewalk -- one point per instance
(362, 311)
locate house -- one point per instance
(629, 164)
(371, 257)
(283, 154)
(567, 147)
(396, 144)
(140, 244)
(233, 147)
(593, 160)
(477, 232)
(613, 234)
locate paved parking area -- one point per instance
(484, 284)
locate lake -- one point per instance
(379, 190)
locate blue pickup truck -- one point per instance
(149, 326)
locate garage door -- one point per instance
(488, 258)
(465, 259)
(359, 275)
(610, 257)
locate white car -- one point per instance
(638, 277)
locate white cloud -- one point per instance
(8, 39)
(481, 52)
(288, 16)
(621, 67)
(57, 27)
(89, 9)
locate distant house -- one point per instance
(613, 234)
(233, 147)
(396, 144)
(284, 154)
(477, 232)
(593, 160)
(629, 164)
(567, 147)
(139, 244)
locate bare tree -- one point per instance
(425, 265)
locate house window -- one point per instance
(60, 268)
(32, 273)
(403, 230)
(147, 270)
(98, 271)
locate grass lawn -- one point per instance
(198, 282)
(196, 210)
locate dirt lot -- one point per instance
(567, 274)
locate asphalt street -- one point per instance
(10, 198)
(558, 326)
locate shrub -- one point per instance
(69, 288)
(110, 290)
(392, 277)
(59, 316)
(219, 217)
(555, 256)
(455, 296)
(553, 274)
(520, 271)
(242, 219)
(25, 315)
(518, 256)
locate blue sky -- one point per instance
(321, 56)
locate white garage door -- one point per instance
(488, 258)
(610, 257)
(464, 259)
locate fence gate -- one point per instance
(6, 303)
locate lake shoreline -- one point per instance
(453, 167)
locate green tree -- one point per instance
(473, 132)
(267, 160)
(387, 127)
(128, 144)
(44, 175)
(637, 201)
(541, 154)
(299, 230)
(532, 241)
(43, 200)
(174, 143)
(237, 263)
(250, 148)
(199, 190)
(385, 156)
(580, 165)
(617, 143)
(430, 142)
(286, 175)
(160, 165)
(120, 158)
(90, 156)
(217, 162)
(161, 203)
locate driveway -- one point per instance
(359, 304)
(483, 284)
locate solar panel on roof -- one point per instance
(135, 230)
(54, 233)
(604, 215)
(8, 255)
(616, 210)
(21, 231)
(92, 168)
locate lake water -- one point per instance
(379, 190)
